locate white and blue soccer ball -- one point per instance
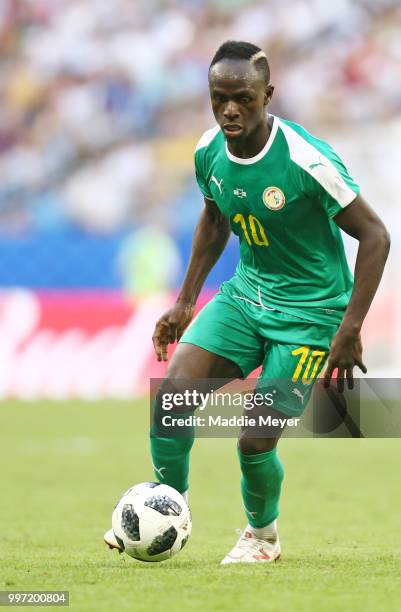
(151, 522)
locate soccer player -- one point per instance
(292, 303)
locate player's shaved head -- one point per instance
(232, 51)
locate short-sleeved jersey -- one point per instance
(280, 204)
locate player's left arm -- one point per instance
(361, 222)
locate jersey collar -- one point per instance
(252, 160)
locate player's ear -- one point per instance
(268, 94)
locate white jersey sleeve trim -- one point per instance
(315, 163)
(207, 138)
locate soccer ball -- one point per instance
(151, 522)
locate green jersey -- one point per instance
(280, 204)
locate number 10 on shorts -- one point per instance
(308, 364)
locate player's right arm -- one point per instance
(210, 238)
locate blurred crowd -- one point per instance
(102, 100)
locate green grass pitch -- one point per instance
(63, 467)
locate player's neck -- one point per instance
(254, 143)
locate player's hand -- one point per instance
(345, 354)
(170, 328)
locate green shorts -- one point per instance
(289, 348)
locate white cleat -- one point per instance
(250, 549)
(111, 541)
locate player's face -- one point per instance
(239, 97)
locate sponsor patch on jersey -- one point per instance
(273, 198)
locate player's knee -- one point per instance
(179, 369)
(185, 365)
(253, 446)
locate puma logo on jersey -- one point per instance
(218, 183)
(299, 394)
(319, 163)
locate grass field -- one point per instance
(64, 466)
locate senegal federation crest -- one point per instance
(273, 198)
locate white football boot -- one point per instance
(250, 549)
(110, 540)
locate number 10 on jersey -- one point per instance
(256, 233)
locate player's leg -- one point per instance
(191, 368)
(262, 474)
(290, 370)
(219, 344)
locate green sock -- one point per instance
(170, 454)
(171, 460)
(262, 475)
